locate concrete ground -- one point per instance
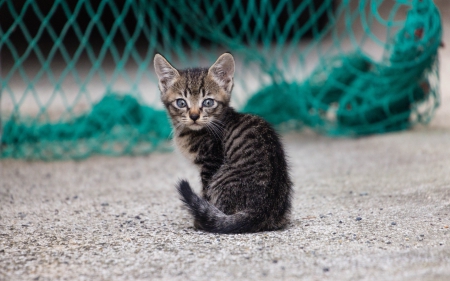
(374, 208)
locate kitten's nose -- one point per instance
(194, 116)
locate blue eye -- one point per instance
(208, 103)
(181, 103)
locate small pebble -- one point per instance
(358, 218)
(340, 221)
(326, 269)
(388, 242)
(105, 204)
(363, 194)
(393, 223)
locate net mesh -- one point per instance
(77, 77)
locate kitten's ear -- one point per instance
(166, 73)
(222, 71)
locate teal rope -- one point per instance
(347, 94)
(109, 119)
(353, 95)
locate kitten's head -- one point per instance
(195, 97)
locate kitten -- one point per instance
(246, 184)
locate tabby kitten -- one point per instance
(246, 184)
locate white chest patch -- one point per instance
(183, 146)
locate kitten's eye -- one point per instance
(181, 103)
(208, 103)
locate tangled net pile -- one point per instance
(303, 63)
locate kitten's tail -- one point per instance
(211, 219)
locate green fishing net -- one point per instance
(77, 76)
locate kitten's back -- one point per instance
(251, 191)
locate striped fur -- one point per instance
(244, 174)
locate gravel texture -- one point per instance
(375, 208)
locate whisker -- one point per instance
(219, 122)
(218, 126)
(210, 131)
(175, 129)
(217, 130)
(213, 131)
(214, 127)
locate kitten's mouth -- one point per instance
(195, 126)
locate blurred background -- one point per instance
(77, 76)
